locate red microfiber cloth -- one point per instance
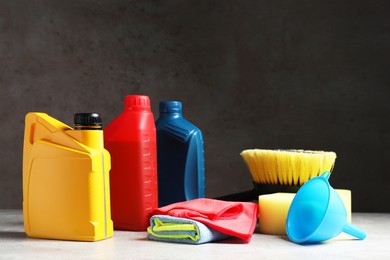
(231, 218)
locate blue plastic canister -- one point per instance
(180, 156)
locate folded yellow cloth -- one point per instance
(181, 230)
(174, 230)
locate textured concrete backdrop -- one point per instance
(250, 74)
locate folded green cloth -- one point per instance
(181, 230)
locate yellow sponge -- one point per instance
(273, 209)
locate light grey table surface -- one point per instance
(14, 244)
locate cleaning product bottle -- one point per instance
(131, 140)
(180, 156)
(66, 179)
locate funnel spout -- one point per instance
(354, 231)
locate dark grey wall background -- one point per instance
(250, 74)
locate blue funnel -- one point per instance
(317, 213)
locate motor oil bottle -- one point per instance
(66, 179)
(180, 156)
(131, 140)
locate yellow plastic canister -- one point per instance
(66, 191)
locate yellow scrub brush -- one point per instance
(281, 170)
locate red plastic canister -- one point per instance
(131, 140)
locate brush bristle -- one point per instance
(287, 167)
